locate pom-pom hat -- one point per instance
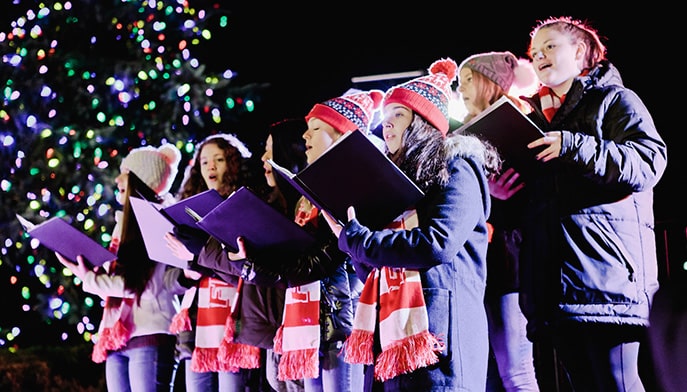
(428, 95)
(502, 68)
(348, 112)
(156, 167)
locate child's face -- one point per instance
(556, 59)
(467, 88)
(122, 181)
(269, 175)
(318, 137)
(397, 119)
(213, 165)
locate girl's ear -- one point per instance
(581, 53)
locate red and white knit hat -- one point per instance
(348, 112)
(428, 95)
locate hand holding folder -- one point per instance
(61, 237)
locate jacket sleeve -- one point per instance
(315, 263)
(447, 218)
(621, 146)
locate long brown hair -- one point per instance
(422, 155)
(132, 263)
(235, 175)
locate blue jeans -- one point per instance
(141, 369)
(271, 371)
(512, 350)
(335, 374)
(214, 381)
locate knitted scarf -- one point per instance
(117, 321)
(298, 338)
(550, 102)
(406, 342)
(215, 349)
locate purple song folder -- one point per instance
(263, 227)
(59, 236)
(154, 225)
(201, 203)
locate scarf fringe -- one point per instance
(407, 355)
(110, 339)
(358, 347)
(206, 359)
(299, 364)
(239, 355)
(278, 338)
(180, 322)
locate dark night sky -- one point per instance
(310, 53)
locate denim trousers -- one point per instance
(141, 369)
(215, 381)
(513, 352)
(271, 371)
(335, 374)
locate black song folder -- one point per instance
(508, 129)
(354, 172)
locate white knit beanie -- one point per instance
(157, 167)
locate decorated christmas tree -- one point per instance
(83, 82)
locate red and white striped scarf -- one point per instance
(298, 338)
(215, 349)
(550, 102)
(407, 344)
(117, 321)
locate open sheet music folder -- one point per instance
(154, 225)
(508, 129)
(60, 236)
(263, 227)
(354, 172)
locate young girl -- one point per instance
(318, 313)
(484, 78)
(588, 260)
(218, 163)
(421, 323)
(140, 295)
(284, 145)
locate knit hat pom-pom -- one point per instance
(446, 66)
(525, 79)
(377, 96)
(171, 154)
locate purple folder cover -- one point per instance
(263, 227)
(202, 203)
(59, 236)
(154, 225)
(354, 172)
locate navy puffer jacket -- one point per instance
(589, 251)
